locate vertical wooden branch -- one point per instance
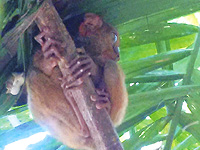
(98, 121)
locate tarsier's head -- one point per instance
(103, 39)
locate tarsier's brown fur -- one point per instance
(47, 102)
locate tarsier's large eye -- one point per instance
(114, 37)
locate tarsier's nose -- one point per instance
(117, 57)
(116, 49)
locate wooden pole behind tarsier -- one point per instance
(98, 121)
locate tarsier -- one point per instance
(48, 101)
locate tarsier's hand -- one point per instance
(50, 47)
(102, 99)
(79, 69)
(51, 50)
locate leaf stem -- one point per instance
(186, 81)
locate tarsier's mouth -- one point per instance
(117, 59)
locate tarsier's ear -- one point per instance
(91, 23)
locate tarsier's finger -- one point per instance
(71, 84)
(52, 52)
(48, 43)
(39, 37)
(83, 72)
(63, 84)
(74, 83)
(94, 97)
(75, 60)
(97, 98)
(102, 92)
(102, 105)
(79, 65)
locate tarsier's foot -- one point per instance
(102, 99)
(79, 68)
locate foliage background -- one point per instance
(160, 60)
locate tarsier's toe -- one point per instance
(102, 92)
(103, 104)
(85, 132)
(52, 52)
(102, 100)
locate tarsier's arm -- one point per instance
(115, 82)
